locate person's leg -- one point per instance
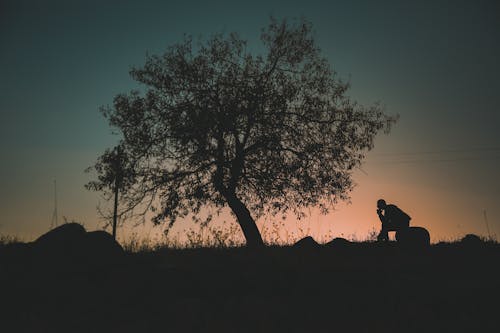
(384, 233)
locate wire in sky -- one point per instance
(438, 160)
(446, 151)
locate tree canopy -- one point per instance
(219, 126)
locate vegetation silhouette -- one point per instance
(221, 127)
(273, 133)
(347, 286)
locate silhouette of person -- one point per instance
(392, 218)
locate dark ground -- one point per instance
(362, 287)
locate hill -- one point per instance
(357, 287)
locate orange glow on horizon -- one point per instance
(448, 212)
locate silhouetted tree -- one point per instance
(266, 133)
(116, 174)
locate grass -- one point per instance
(212, 284)
(225, 236)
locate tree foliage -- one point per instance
(217, 125)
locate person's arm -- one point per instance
(381, 216)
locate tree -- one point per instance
(219, 126)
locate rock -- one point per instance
(70, 243)
(338, 242)
(471, 240)
(101, 245)
(306, 243)
(413, 237)
(62, 234)
(61, 240)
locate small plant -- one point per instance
(9, 239)
(372, 235)
(223, 236)
(135, 244)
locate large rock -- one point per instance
(101, 244)
(70, 243)
(306, 243)
(338, 243)
(472, 242)
(60, 241)
(62, 235)
(413, 237)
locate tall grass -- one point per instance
(223, 236)
(227, 235)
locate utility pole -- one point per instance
(118, 179)
(54, 221)
(487, 225)
(115, 210)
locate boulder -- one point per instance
(306, 243)
(413, 237)
(70, 243)
(101, 245)
(62, 234)
(471, 240)
(61, 240)
(338, 242)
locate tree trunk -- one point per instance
(247, 223)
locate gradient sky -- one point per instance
(435, 63)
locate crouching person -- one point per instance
(392, 218)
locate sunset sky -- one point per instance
(435, 63)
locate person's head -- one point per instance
(381, 204)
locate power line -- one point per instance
(447, 155)
(439, 160)
(444, 151)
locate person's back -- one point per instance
(396, 217)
